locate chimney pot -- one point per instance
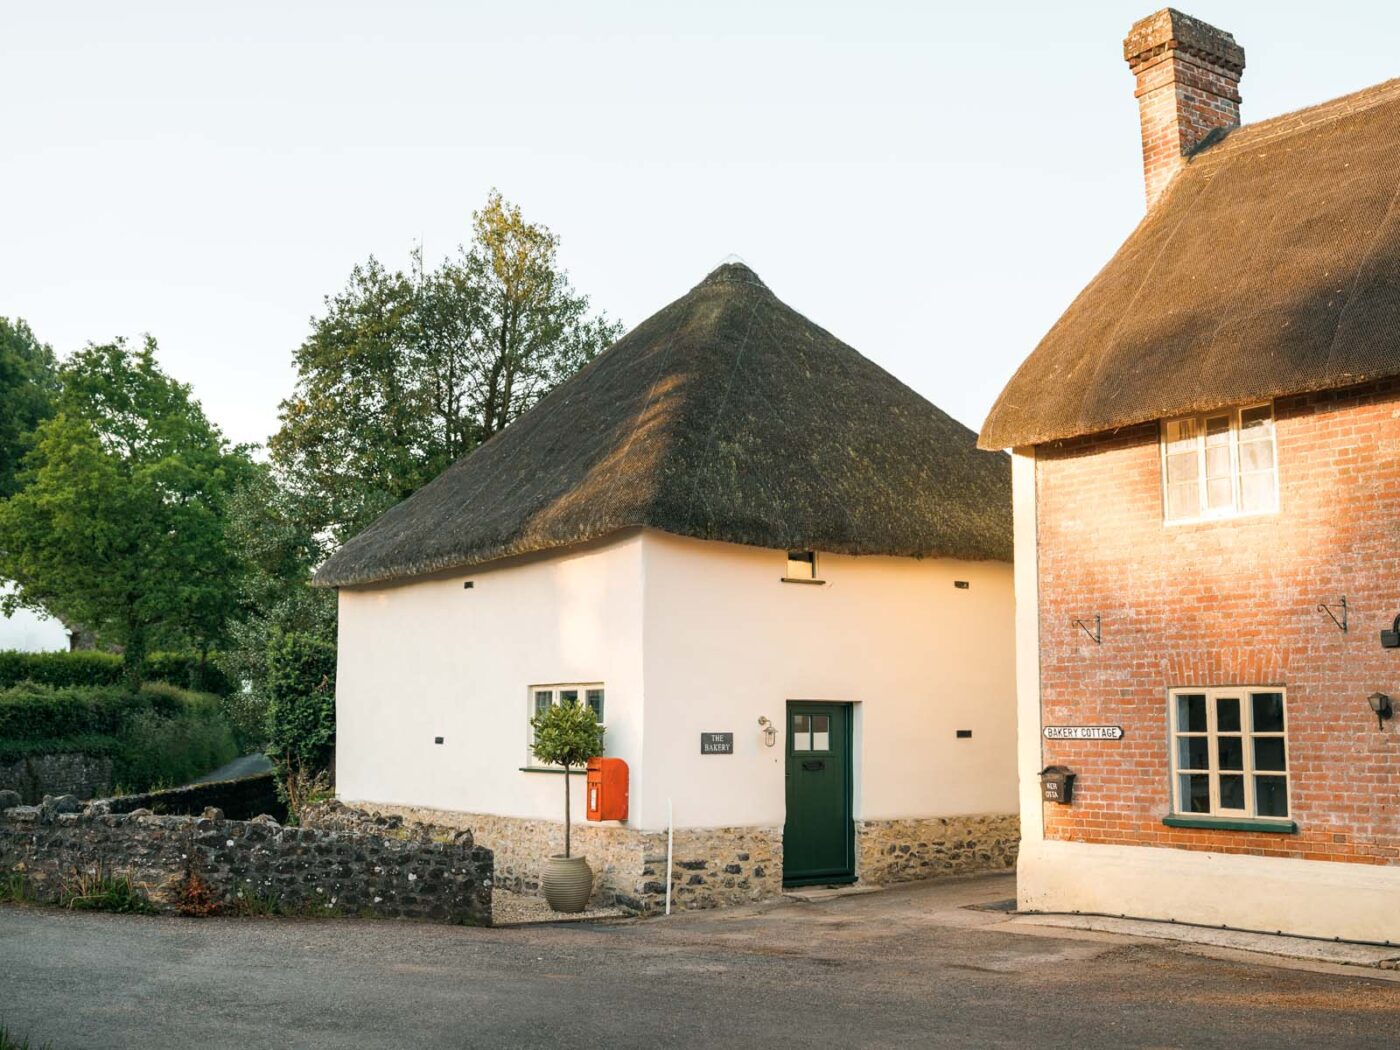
(1188, 77)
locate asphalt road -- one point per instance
(901, 968)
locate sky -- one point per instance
(931, 182)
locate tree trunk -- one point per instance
(566, 811)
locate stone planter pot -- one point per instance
(567, 883)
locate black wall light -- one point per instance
(1391, 639)
(1381, 705)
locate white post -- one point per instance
(670, 851)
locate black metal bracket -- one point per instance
(1096, 634)
(1342, 623)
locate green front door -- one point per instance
(818, 842)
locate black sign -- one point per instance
(1083, 732)
(717, 743)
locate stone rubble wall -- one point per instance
(247, 863)
(240, 799)
(719, 867)
(889, 851)
(62, 773)
(714, 867)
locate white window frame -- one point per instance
(1236, 508)
(556, 691)
(1247, 735)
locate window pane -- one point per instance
(1257, 419)
(1195, 793)
(1181, 434)
(821, 732)
(1220, 493)
(1183, 467)
(568, 696)
(1193, 752)
(1268, 712)
(1271, 796)
(1257, 491)
(1269, 753)
(1256, 455)
(1191, 713)
(1218, 430)
(595, 702)
(1218, 461)
(1232, 792)
(542, 700)
(801, 565)
(1227, 714)
(801, 733)
(1231, 752)
(1183, 501)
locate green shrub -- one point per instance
(156, 751)
(301, 700)
(87, 667)
(159, 736)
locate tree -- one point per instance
(268, 529)
(119, 522)
(28, 383)
(568, 735)
(407, 372)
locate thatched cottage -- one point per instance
(780, 577)
(1207, 490)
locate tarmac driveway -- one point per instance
(906, 967)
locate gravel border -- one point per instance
(516, 909)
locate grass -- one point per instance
(10, 1041)
(100, 890)
(15, 889)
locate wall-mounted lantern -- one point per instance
(1391, 639)
(770, 731)
(1381, 705)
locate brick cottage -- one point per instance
(1207, 502)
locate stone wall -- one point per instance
(240, 799)
(68, 773)
(713, 867)
(248, 866)
(889, 851)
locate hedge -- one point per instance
(89, 667)
(158, 736)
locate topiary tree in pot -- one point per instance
(567, 735)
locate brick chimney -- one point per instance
(1188, 78)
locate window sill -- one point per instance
(798, 579)
(1277, 827)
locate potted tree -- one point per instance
(567, 735)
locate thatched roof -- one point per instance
(1271, 266)
(725, 416)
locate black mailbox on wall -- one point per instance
(1057, 784)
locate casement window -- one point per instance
(542, 697)
(1219, 464)
(1229, 752)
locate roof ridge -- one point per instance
(1248, 136)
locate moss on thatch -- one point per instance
(725, 416)
(1270, 267)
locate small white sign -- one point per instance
(1083, 732)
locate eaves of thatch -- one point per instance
(1270, 267)
(725, 416)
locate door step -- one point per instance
(813, 894)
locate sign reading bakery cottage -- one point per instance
(1083, 732)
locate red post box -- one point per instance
(607, 789)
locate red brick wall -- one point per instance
(1227, 603)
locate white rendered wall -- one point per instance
(430, 658)
(726, 642)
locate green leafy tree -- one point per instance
(28, 384)
(568, 735)
(119, 521)
(268, 528)
(407, 372)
